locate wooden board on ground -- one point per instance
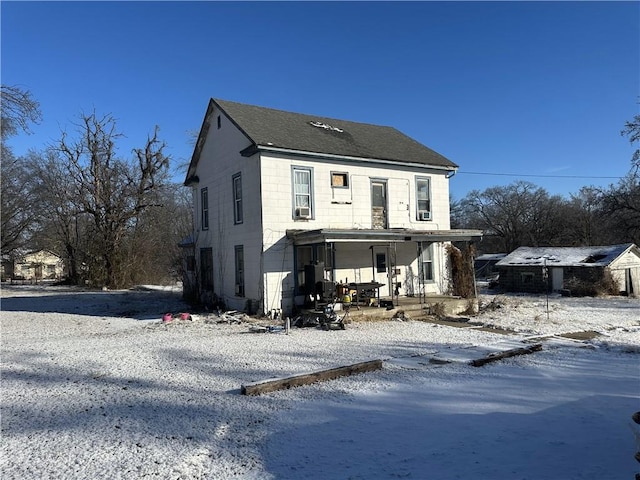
(265, 386)
(507, 353)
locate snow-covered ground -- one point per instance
(94, 385)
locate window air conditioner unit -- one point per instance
(303, 212)
(423, 215)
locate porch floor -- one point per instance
(413, 307)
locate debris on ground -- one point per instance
(231, 317)
(169, 317)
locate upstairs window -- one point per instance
(302, 193)
(339, 180)
(237, 198)
(204, 208)
(423, 198)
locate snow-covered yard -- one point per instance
(94, 385)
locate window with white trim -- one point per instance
(426, 261)
(302, 179)
(237, 198)
(204, 208)
(423, 198)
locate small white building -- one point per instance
(288, 205)
(36, 266)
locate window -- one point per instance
(239, 261)
(304, 256)
(237, 198)
(302, 192)
(426, 262)
(324, 254)
(204, 208)
(219, 122)
(339, 179)
(381, 262)
(527, 278)
(206, 269)
(191, 263)
(423, 198)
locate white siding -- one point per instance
(625, 270)
(219, 161)
(350, 207)
(345, 208)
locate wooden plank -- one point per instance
(507, 353)
(272, 385)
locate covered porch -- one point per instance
(377, 268)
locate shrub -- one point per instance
(438, 309)
(606, 285)
(463, 284)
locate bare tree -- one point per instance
(153, 251)
(515, 215)
(632, 130)
(63, 228)
(622, 201)
(112, 191)
(584, 220)
(19, 109)
(18, 214)
(19, 209)
(622, 204)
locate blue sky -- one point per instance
(540, 90)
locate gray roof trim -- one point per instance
(323, 235)
(191, 177)
(253, 149)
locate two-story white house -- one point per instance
(288, 203)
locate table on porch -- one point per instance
(364, 287)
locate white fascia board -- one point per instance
(353, 159)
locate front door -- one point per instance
(381, 269)
(557, 279)
(630, 285)
(378, 204)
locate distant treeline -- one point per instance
(524, 214)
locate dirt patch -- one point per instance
(586, 335)
(463, 322)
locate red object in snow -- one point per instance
(185, 316)
(167, 317)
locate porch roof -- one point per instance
(396, 235)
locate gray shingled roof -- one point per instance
(269, 128)
(565, 256)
